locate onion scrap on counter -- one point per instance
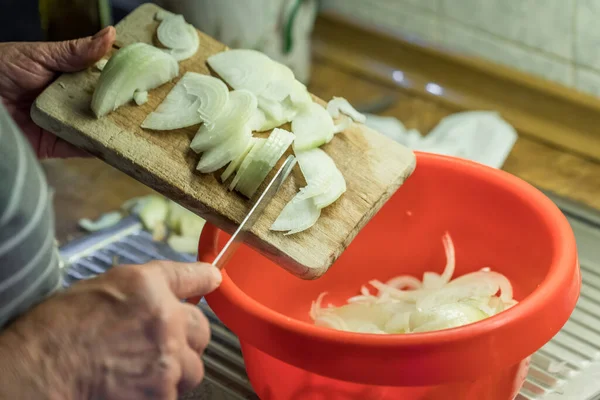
(405, 304)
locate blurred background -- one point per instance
(555, 39)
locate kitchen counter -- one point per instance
(88, 187)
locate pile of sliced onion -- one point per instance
(281, 99)
(280, 96)
(266, 95)
(228, 136)
(405, 304)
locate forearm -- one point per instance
(30, 371)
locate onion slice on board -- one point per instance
(297, 216)
(339, 105)
(325, 182)
(263, 162)
(244, 69)
(140, 97)
(184, 54)
(194, 99)
(254, 151)
(235, 164)
(227, 151)
(313, 127)
(180, 38)
(239, 110)
(138, 66)
(172, 32)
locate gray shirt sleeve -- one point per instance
(29, 264)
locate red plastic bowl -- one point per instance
(495, 219)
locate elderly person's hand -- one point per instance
(122, 336)
(27, 68)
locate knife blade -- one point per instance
(255, 212)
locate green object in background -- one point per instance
(71, 19)
(289, 27)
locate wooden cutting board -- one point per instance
(373, 165)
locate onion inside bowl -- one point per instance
(405, 304)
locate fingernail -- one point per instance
(217, 275)
(101, 33)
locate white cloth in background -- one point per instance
(254, 24)
(481, 136)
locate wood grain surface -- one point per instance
(373, 165)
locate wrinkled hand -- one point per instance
(27, 68)
(124, 335)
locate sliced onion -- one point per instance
(432, 280)
(213, 95)
(342, 125)
(453, 294)
(138, 66)
(101, 64)
(173, 32)
(176, 214)
(313, 127)
(339, 104)
(140, 97)
(184, 54)
(299, 96)
(159, 233)
(184, 222)
(244, 69)
(254, 151)
(404, 282)
(183, 244)
(192, 226)
(225, 152)
(235, 164)
(178, 110)
(297, 216)
(264, 161)
(281, 83)
(180, 38)
(450, 258)
(277, 113)
(258, 121)
(489, 305)
(494, 279)
(409, 296)
(320, 171)
(445, 316)
(239, 110)
(194, 99)
(316, 187)
(154, 212)
(398, 323)
(105, 221)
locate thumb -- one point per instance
(78, 54)
(189, 279)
